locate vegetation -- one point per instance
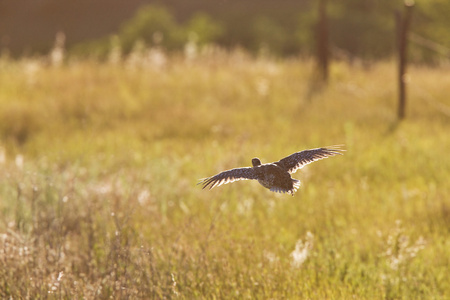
(154, 26)
(364, 30)
(98, 195)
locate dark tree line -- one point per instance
(364, 29)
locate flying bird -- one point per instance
(275, 176)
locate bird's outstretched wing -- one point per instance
(228, 176)
(300, 159)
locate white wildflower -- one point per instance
(2, 155)
(54, 285)
(57, 53)
(262, 87)
(302, 250)
(19, 161)
(156, 58)
(143, 197)
(400, 249)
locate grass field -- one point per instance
(100, 161)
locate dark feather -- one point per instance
(228, 176)
(300, 159)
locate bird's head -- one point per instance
(256, 162)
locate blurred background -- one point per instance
(357, 29)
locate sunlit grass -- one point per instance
(100, 161)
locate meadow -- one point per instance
(100, 161)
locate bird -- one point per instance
(275, 176)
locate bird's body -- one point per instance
(275, 176)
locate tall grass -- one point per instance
(98, 195)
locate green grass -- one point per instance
(98, 195)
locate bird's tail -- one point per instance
(295, 186)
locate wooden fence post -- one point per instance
(322, 40)
(402, 42)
